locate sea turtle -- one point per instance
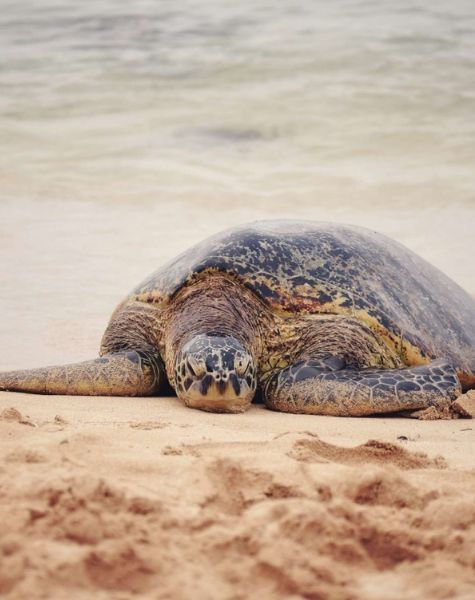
(316, 317)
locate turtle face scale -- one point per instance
(215, 373)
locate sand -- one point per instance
(134, 497)
(118, 498)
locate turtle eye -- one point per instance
(242, 364)
(196, 366)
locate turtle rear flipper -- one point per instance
(318, 388)
(128, 373)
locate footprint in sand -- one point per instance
(13, 415)
(235, 487)
(374, 451)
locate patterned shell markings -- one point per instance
(311, 267)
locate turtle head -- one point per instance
(216, 373)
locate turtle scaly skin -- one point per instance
(319, 317)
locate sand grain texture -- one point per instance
(126, 498)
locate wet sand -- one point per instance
(135, 497)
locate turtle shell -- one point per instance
(310, 267)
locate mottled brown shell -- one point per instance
(310, 268)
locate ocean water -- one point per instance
(129, 130)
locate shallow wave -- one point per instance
(367, 102)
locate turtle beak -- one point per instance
(219, 391)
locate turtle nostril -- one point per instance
(221, 376)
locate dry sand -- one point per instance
(123, 498)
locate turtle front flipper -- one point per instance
(327, 388)
(128, 373)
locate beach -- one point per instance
(130, 133)
(143, 497)
(134, 497)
